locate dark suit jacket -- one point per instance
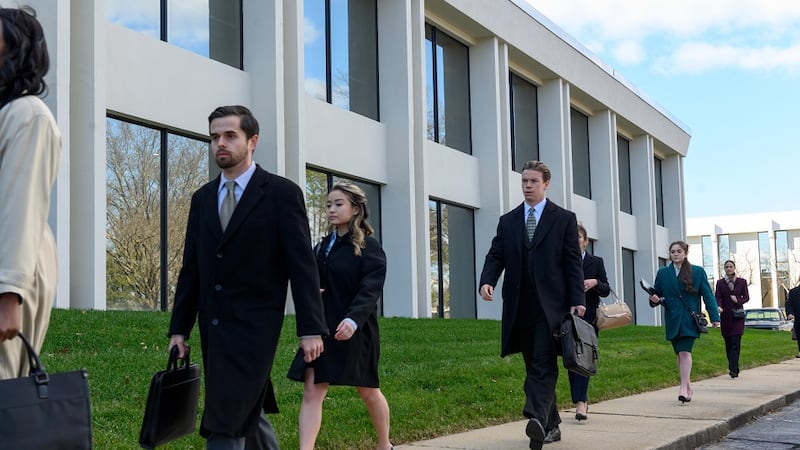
(593, 267)
(731, 326)
(235, 283)
(554, 266)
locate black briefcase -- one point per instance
(45, 411)
(171, 410)
(579, 345)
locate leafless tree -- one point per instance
(133, 219)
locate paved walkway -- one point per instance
(652, 420)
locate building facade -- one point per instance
(431, 105)
(765, 248)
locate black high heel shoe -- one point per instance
(579, 416)
(685, 398)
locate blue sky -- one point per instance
(727, 69)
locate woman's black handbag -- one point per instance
(700, 321)
(738, 313)
(578, 345)
(699, 318)
(171, 410)
(45, 410)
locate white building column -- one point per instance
(643, 202)
(54, 17)
(263, 23)
(603, 225)
(404, 207)
(489, 99)
(87, 143)
(554, 139)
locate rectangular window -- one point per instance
(581, 174)
(708, 258)
(211, 28)
(724, 244)
(764, 260)
(659, 192)
(341, 53)
(524, 122)
(151, 175)
(447, 72)
(452, 266)
(318, 184)
(782, 265)
(629, 278)
(624, 173)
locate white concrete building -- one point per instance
(765, 248)
(433, 105)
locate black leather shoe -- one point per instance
(535, 432)
(553, 435)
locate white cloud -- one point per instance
(685, 35)
(629, 52)
(702, 57)
(310, 31)
(316, 88)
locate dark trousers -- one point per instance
(264, 439)
(579, 387)
(733, 345)
(541, 373)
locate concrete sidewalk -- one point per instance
(652, 420)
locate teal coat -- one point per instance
(677, 320)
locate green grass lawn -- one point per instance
(439, 376)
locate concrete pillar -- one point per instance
(87, 135)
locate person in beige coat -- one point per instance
(30, 147)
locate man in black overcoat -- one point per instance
(246, 237)
(543, 281)
(793, 313)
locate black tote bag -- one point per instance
(45, 411)
(171, 410)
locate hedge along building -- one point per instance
(431, 105)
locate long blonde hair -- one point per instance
(359, 225)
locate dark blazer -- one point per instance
(593, 267)
(730, 325)
(235, 283)
(353, 284)
(793, 307)
(554, 266)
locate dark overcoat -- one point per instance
(793, 307)
(678, 321)
(554, 266)
(730, 325)
(593, 267)
(352, 286)
(235, 284)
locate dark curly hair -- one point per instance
(26, 61)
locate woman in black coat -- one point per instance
(352, 269)
(595, 285)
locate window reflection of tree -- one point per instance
(133, 215)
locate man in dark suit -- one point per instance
(537, 247)
(246, 237)
(793, 311)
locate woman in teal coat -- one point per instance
(676, 284)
